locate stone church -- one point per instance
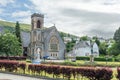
(45, 40)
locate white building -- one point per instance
(86, 48)
(67, 39)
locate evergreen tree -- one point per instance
(117, 36)
(115, 49)
(97, 41)
(17, 31)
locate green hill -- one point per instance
(26, 27)
(11, 26)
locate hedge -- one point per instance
(13, 58)
(102, 59)
(95, 59)
(82, 58)
(92, 73)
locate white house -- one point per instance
(86, 48)
(67, 39)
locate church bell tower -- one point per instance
(37, 21)
(36, 44)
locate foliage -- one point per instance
(9, 45)
(102, 59)
(103, 48)
(114, 49)
(118, 73)
(84, 38)
(13, 58)
(70, 45)
(17, 31)
(97, 41)
(22, 66)
(82, 58)
(117, 35)
(9, 65)
(117, 58)
(91, 73)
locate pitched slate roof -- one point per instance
(81, 44)
(25, 37)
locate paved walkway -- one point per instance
(4, 76)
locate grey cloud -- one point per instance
(95, 23)
(96, 17)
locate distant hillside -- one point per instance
(5, 25)
(11, 25)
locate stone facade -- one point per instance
(48, 40)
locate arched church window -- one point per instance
(54, 44)
(38, 24)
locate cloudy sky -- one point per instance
(79, 17)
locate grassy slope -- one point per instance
(24, 27)
(8, 25)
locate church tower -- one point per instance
(37, 21)
(37, 47)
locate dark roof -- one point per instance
(82, 44)
(47, 31)
(25, 36)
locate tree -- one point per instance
(117, 36)
(114, 49)
(84, 38)
(69, 46)
(9, 45)
(17, 31)
(97, 41)
(102, 48)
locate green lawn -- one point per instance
(100, 63)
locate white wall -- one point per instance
(82, 51)
(95, 49)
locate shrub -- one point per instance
(9, 65)
(13, 58)
(102, 59)
(22, 66)
(117, 58)
(82, 58)
(118, 73)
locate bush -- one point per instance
(9, 65)
(102, 59)
(22, 66)
(82, 58)
(91, 73)
(13, 58)
(117, 58)
(118, 73)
